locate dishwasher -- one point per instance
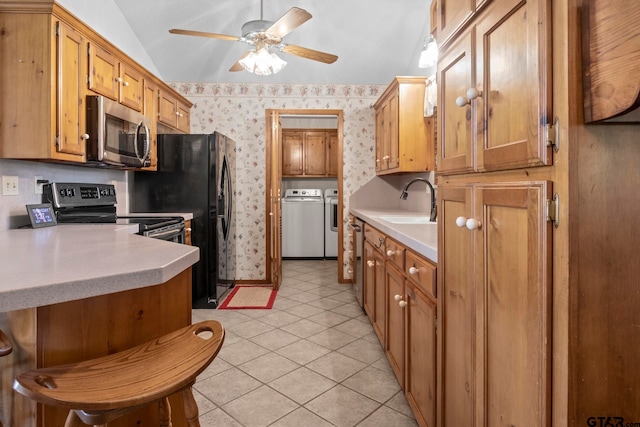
(357, 258)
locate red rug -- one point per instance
(249, 297)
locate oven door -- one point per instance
(171, 233)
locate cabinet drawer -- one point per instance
(394, 252)
(421, 271)
(376, 238)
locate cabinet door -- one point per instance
(380, 135)
(392, 138)
(314, 153)
(380, 300)
(369, 280)
(513, 279)
(332, 154)
(513, 70)
(394, 299)
(70, 91)
(457, 310)
(103, 72)
(291, 153)
(452, 14)
(167, 110)
(420, 355)
(183, 120)
(455, 136)
(131, 87)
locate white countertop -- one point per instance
(422, 238)
(74, 261)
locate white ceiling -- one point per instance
(375, 40)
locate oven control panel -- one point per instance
(74, 194)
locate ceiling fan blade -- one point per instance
(314, 55)
(288, 22)
(203, 34)
(237, 66)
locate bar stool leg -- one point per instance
(190, 407)
(73, 420)
(164, 412)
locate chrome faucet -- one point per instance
(434, 210)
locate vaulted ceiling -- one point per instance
(375, 40)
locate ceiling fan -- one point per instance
(265, 35)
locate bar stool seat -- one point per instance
(100, 390)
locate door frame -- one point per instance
(273, 193)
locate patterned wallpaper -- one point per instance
(238, 110)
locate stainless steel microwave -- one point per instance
(116, 135)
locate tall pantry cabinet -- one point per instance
(494, 268)
(538, 288)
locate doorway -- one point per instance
(274, 190)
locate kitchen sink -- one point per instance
(401, 219)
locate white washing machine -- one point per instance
(331, 223)
(302, 224)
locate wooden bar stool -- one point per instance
(100, 390)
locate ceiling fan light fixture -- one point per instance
(262, 62)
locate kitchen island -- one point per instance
(79, 291)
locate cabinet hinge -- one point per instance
(552, 135)
(553, 210)
(435, 319)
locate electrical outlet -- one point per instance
(9, 185)
(37, 186)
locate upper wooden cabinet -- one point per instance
(49, 62)
(494, 83)
(404, 137)
(172, 111)
(309, 152)
(114, 79)
(452, 15)
(611, 58)
(43, 86)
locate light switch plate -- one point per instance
(9, 185)
(37, 186)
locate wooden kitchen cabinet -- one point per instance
(113, 78)
(309, 153)
(452, 15)
(494, 83)
(495, 304)
(173, 112)
(50, 61)
(43, 75)
(404, 137)
(409, 335)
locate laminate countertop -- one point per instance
(75, 261)
(422, 238)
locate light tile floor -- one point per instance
(312, 360)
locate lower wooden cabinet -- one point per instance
(402, 308)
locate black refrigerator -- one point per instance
(196, 173)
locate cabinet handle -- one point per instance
(413, 270)
(390, 252)
(397, 297)
(188, 229)
(472, 94)
(85, 136)
(371, 263)
(270, 213)
(473, 224)
(350, 271)
(461, 221)
(402, 304)
(125, 84)
(119, 80)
